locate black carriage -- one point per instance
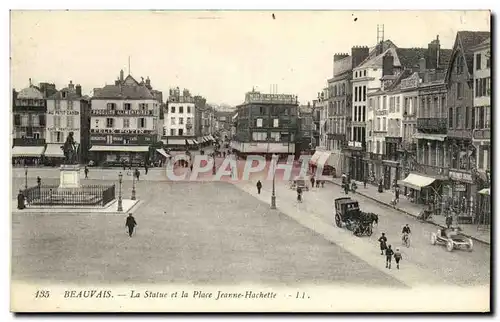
(348, 214)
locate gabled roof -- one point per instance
(376, 62)
(122, 92)
(409, 57)
(130, 81)
(465, 41)
(30, 93)
(403, 75)
(70, 94)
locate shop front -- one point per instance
(357, 166)
(27, 155)
(391, 173)
(53, 155)
(119, 155)
(424, 190)
(463, 195)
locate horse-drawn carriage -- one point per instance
(348, 214)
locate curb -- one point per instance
(412, 215)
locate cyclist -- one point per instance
(405, 233)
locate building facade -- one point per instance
(461, 121)
(67, 111)
(29, 122)
(266, 124)
(124, 123)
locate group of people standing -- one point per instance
(386, 249)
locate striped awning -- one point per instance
(119, 148)
(485, 191)
(195, 142)
(54, 151)
(210, 137)
(27, 151)
(190, 142)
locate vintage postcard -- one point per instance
(250, 161)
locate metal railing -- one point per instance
(52, 195)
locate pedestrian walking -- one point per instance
(317, 183)
(259, 186)
(38, 181)
(312, 181)
(364, 182)
(21, 204)
(397, 194)
(449, 221)
(86, 171)
(322, 183)
(383, 243)
(123, 164)
(130, 224)
(137, 173)
(146, 168)
(397, 257)
(388, 257)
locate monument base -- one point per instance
(69, 176)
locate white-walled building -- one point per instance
(124, 123)
(67, 111)
(179, 119)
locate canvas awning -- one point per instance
(119, 148)
(485, 191)
(315, 157)
(427, 136)
(54, 151)
(195, 142)
(205, 139)
(162, 152)
(415, 181)
(175, 142)
(333, 160)
(190, 142)
(27, 151)
(210, 137)
(319, 158)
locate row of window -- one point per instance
(273, 137)
(337, 90)
(359, 114)
(29, 133)
(336, 108)
(360, 73)
(175, 132)
(276, 122)
(70, 121)
(189, 120)
(360, 93)
(57, 105)
(336, 126)
(433, 154)
(478, 62)
(29, 120)
(30, 102)
(112, 122)
(180, 109)
(432, 107)
(126, 106)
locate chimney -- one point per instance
(78, 90)
(71, 85)
(121, 75)
(387, 64)
(421, 64)
(148, 81)
(338, 57)
(359, 54)
(433, 54)
(30, 81)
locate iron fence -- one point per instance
(52, 195)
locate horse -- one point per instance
(372, 217)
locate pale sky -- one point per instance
(220, 55)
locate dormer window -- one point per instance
(63, 94)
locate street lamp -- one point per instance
(25, 177)
(273, 196)
(133, 187)
(120, 205)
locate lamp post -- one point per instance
(273, 195)
(120, 206)
(25, 177)
(133, 187)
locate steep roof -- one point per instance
(444, 57)
(122, 92)
(409, 57)
(465, 41)
(70, 94)
(30, 93)
(377, 60)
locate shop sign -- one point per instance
(63, 112)
(461, 176)
(460, 188)
(121, 112)
(120, 131)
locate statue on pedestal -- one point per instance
(70, 149)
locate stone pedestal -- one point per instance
(69, 176)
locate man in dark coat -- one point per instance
(130, 223)
(86, 171)
(20, 200)
(38, 181)
(259, 186)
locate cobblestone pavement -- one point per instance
(187, 233)
(429, 264)
(412, 209)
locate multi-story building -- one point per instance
(179, 120)
(203, 122)
(223, 122)
(29, 109)
(304, 141)
(123, 125)
(266, 124)
(461, 119)
(67, 111)
(482, 134)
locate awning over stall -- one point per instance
(162, 152)
(174, 142)
(485, 191)
(415, 181)
(315, 157)
(119, 148)
(195, 142)
(54, 151)
(27, 151)
(319, 158)
(190, 142)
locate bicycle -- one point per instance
(406, 240)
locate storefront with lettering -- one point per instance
(356, 163)
(462, 191)
(116, 147)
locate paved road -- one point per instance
(211, 233)
(458, 267)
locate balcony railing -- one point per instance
(432, 124)
(432, 170)
(481, 134)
